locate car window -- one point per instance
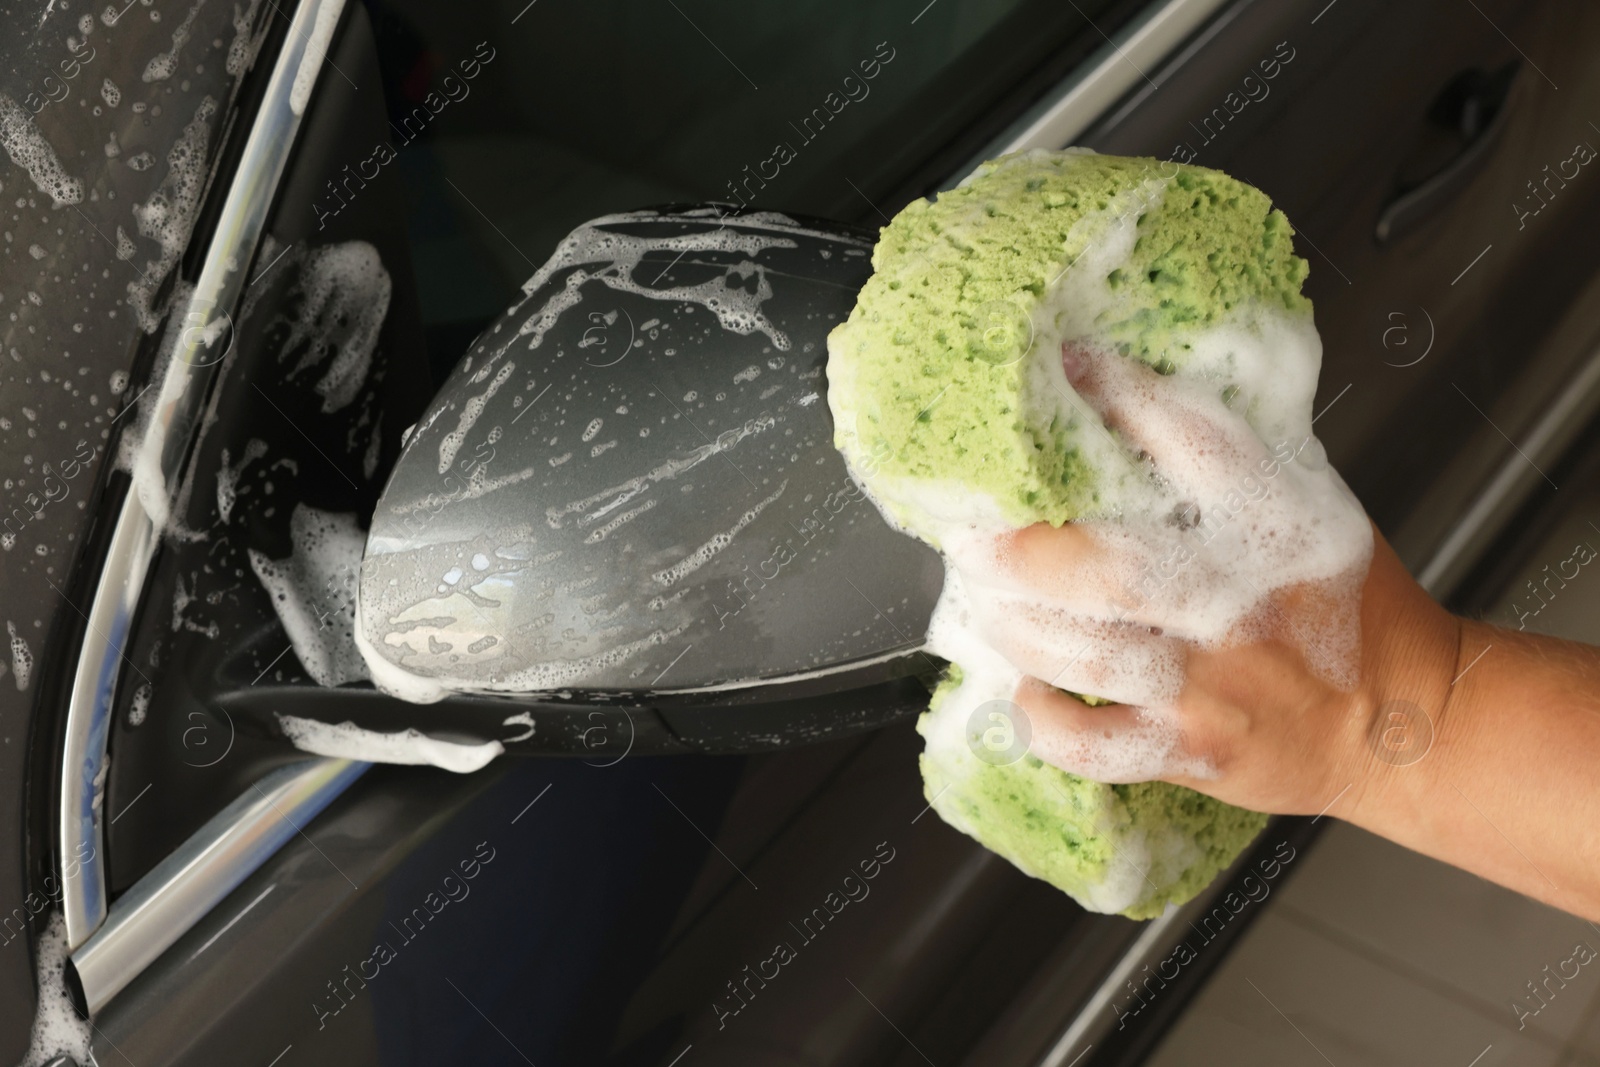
(579, 110)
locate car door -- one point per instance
(616, 908)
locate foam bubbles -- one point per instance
(168, 216)
(58, 1029)
(410, 747)
(164, 64)
(343, 295)
(29, 150)
(139, 706)
(451, 443)
(21, 656)
(314, 592)
(611, 257)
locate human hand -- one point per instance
(1242, 614)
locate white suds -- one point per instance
(228, 476)
(29, 150)
(702, 555)
(58, 1029)
(242, 49)
(610, 257)
(342, 296)
(591, 509)
(21, 656)
(139, 706)
(314, 592)
(450, 444)
(409, 747)
(164, 64)
(168, 216)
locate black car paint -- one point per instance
(69, 329)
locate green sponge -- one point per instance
(932, 358)
(1106, 845)
(938, 382)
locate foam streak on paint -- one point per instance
(58, 1029)
(611, 257)
(701, 556)
(21, 656)
(29, 150)
(164, 64)
(470, 411)
(228, 476)
(167, 218)
(616, 496)
(342, 296)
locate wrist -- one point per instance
(1408, 715)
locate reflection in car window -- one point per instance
(513, 122)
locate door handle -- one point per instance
(1473, 105)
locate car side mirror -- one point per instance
(627, 492)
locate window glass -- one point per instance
(515, 121)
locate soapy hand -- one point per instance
(1277, 686)
(1247, 623)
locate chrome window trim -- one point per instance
(1574, 404)
(180, 398)
(163, 905)
(1080, 99)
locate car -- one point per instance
(252, 252)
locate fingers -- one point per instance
(1181, 424)
(1089, 568)
(1150, 576)
(1115, 661)
(1113, 743)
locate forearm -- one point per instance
(1510, 786)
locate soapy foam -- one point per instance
(21, 656)
(28, 149)
(616, 496)
(343, 295)
(390, 676)
(139, 706)
(168, 216)
(228, 476)
(314, 592)
(701, 556)
(242, 49)
(409, 747)
(451, 443)
(611, 257)
(164, 64)
(58, 1029)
